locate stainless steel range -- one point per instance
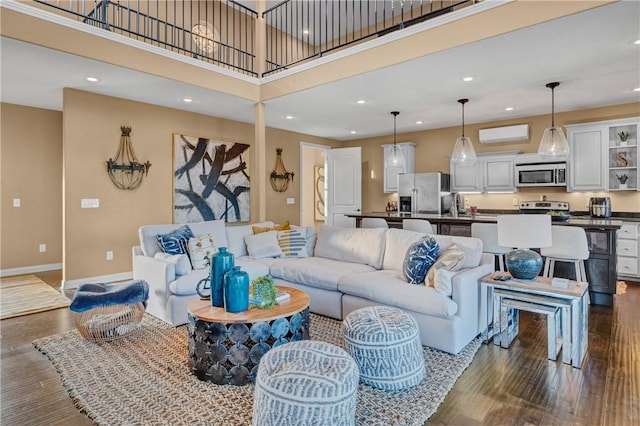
(543, 207)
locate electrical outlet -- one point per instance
(43, 248)
(16, 202)
(109, 255)
(291, 200)
(90, 203)
(514, 202)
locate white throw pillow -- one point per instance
(450, 259)
(442, 281)
(309, 232)
(292, 243)
(263, 245)
(201, 249)
(180, 261)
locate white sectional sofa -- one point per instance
(350, 268)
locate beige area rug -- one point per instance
(28, 294)
(146, 379)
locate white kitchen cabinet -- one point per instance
(628, 248)
(491, 173)
(408, 151)
(596, 156)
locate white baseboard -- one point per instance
(30, 269)
(122, 276)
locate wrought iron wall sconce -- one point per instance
(126, 172)
(280, 177)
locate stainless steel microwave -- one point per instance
(542, 174)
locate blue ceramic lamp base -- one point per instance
(523, 264)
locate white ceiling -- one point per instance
(592, 54)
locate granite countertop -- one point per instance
(584, 221)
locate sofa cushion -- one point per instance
(263, 244)
(397, 243)
(149, 244)
(419, 258)
(450, 259)
(236, 234)
(293, 243)
(316, 272)
(179, 261)
(443, 281)
(472, 248)
(277, 227)
(388, 287)
(358, 245)
(310, 237)
(176, 241)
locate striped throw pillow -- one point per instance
(292, 243)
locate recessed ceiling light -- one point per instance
(93, 79)
(467, 79)
(419, 122)
(637, 89)
(509, 108)
(361, 101)
(305, 31)
(187, 100)
(288, 117)
(353, 132)
(637, 42)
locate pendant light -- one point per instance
(396, 158)
(463, 152)
(553, 144)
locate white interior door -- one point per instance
(343, 178)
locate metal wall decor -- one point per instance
(280, 177)
(126, 172)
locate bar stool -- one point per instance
(569, 244)
(488, 233)
(418, 225)
(374, 222)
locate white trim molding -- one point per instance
(122, 276)
(30, 269)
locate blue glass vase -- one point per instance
(221, 263)
(236, 290)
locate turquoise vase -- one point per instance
(236, 290)
(221, 263)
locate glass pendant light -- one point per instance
(554, 144)
(395, 158)
(463, 152)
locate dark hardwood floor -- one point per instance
(517, 386)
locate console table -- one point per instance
(567, 311)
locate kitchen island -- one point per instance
(601, 237)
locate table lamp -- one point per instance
(524, 231)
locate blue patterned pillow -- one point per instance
(419, 258)
(176, 241)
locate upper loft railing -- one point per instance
(222, 32)
(299, 30)
(219, 32)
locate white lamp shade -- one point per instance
(463, 152)
(524, 230)
(553, 144)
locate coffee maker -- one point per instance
(600, 207)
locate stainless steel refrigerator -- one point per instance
(424, 193)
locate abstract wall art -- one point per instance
(210, 180)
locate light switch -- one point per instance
(90, 203)
(291, 200)
(16, 202)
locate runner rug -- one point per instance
(28, 294)
(145, 379)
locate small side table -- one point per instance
(572, 305)
(226, 348)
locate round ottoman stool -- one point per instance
(385, 343)
(305, 383)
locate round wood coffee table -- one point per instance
(225, 348)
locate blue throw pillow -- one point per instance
(419, 258)
(176, 241)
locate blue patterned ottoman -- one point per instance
(385, 343)
(305, 383)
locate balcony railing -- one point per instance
(217, 32)
(299, 30)
(222, 32)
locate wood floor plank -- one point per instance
(515, 386)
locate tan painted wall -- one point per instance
(31, 155)
(434, 146)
